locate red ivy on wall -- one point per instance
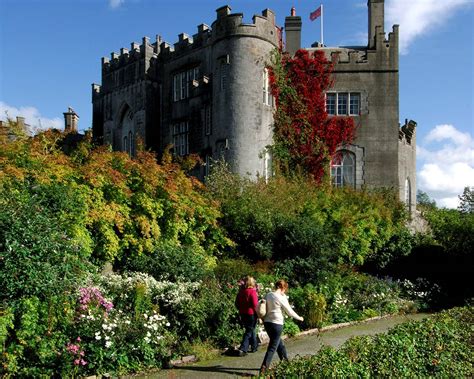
(304, 135)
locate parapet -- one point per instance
(384, 55)
(227, 24)
(146, 50)
(407, 132)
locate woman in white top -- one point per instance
(277, 303)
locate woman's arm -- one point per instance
(288, 310)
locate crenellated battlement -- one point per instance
(226, 25)
(146, 50)
(383, 56)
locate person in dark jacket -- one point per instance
(246, 302)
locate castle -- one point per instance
(209, 95)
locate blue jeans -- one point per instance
(249, 322)
(275, 344)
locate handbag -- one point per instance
(262, 308)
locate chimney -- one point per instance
(293, 32)
(71, 120)
(376, 18)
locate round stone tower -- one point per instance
(243, 116)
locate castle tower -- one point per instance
(293, 32)
(71, 119)
(376, 19)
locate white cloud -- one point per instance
(418, 17)
(447, 157)
(115, 3)
(32, 117)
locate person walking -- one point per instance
(246, 301)
(277, 303)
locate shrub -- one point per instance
(309, 304)
(38, 258)
(439, 346)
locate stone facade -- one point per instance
(208, 94)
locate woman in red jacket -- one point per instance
(246, 301)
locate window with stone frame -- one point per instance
(267, 94)
(343, 166)
(182, 82)
(181, 138)
(208, 119)
(224, 75)
(343, 103)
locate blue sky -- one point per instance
(50, 54)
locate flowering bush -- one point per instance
(117, 340)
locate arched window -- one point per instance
(408, 193)
(125, 144)
(343, 169)
(131, 149)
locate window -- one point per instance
(267, 94)
(224, 74)
(131, 150)
(331, 100)
(343, 169)
(407, 194)
(182, 81)
(208, 120)
(125, 144)
(181, 138)
(343, 103)
(267, 166)
(354, 108)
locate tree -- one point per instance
(423, 199)
(304, 136)
(467, 200)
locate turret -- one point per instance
(376, 19)
(70, 121)
(293, 32)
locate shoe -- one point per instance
(253, 350)
(241, 353)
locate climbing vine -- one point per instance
(304, 136)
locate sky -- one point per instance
(50, 54)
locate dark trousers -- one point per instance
(249, 322)
(275, 344)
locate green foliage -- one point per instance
(33, 347)
(467, 200)
(285, 219)
(172, 263)
(424, 200)
(37, 255)
(439, 346)
(290, 328)
(310, 304)
(210, 316)
(114, 206)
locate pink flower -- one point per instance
(83, 362)
(78, 339)
(77, 362)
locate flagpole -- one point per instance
(322, 35)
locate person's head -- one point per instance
(281, 285)
(249, 282)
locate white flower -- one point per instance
(167, 324)
(108, 344)
(146, 339)
(98, 337)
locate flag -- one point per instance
(314, 15)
